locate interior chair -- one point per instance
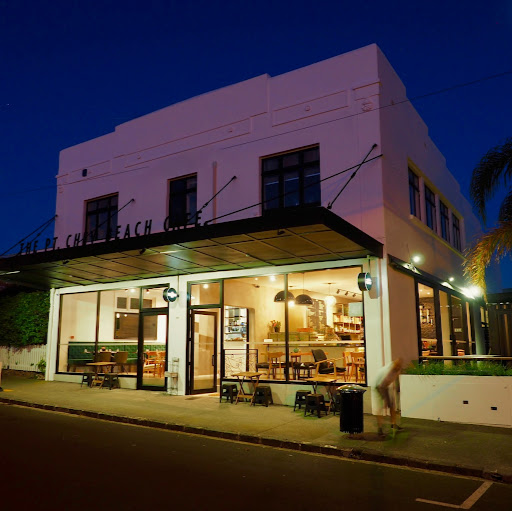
(272, 364)
(150, 362)
(120, 358)
(327, 366)
(104, 356)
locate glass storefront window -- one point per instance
(325, 318)
(444, 304)
(77, 331)
(427, 316)
(460, 343)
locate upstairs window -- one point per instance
(101, 217)
(430, 208)
(183, 201)
(456, 233)
(445, 221)
(414, 194)
(291, 179)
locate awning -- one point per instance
(284, 237)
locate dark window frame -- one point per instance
(100, 231)
(182, 204)
(456, 239)
(414, 194)
(445, 220)
(279, 172)
(430, 209)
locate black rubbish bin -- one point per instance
(351, 401)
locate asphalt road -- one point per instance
(56, 461)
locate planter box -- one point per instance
(469, 399)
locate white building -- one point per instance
(155, 205)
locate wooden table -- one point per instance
(97, 366)
(330, 384)
(249, 377)
(296, 357)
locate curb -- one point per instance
(354, 454)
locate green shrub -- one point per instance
(470, 368)
(24, 318)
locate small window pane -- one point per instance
(311, 155)
(270, 164)
(427, 316)
(290, 160)
(312, 186)
(291, 189)
(205, 294)
(271, 192)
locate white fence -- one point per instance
(22, 359)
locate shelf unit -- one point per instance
(235, 324)
(345, 324)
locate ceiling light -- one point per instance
(281, 298)
(451, 279)
(272, 278)
(205, 286)
(303, 300)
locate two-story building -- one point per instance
(254, 209)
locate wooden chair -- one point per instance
(327, 366)
(104, 356)
(149, 362)
(120, 358)
(272, 364)
(354, 361)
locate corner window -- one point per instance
(291, 179)
(456, 233)
(183, 201)
(414, 194)
(430, 208)
(445, 221)
(101, 217)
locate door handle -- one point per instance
(213, 360)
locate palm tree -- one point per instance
(492, 174)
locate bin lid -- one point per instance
(351, 388)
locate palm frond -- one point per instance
(487, 175)
(505, 214)
(496, 243)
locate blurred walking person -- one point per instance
(384, 379)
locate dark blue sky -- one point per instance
(72, 70)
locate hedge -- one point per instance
(24, 318)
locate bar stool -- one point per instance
(229, 391)
(300, 398)
(111, 380)
(263, 395)
(315, 403)
(87, 378)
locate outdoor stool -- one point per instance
(300, 398)
(263, 395)
(315, 403)
(87, 378)
(229, 391)
(111, 380)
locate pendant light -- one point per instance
(303, 299)
(330, 299)
(280, 297)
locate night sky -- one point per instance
(72, 70)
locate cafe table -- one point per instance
(249, 377)
(330, 385)
(97, 366)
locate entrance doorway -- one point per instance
(152, 350)
(203, 352)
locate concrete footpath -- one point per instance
(464, 449)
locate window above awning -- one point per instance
(284, 237)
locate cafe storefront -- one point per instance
(248, 296)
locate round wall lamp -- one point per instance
(364, 281)
(170, 294)
(280, 297)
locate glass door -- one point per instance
(152, 352)
(203, 352)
